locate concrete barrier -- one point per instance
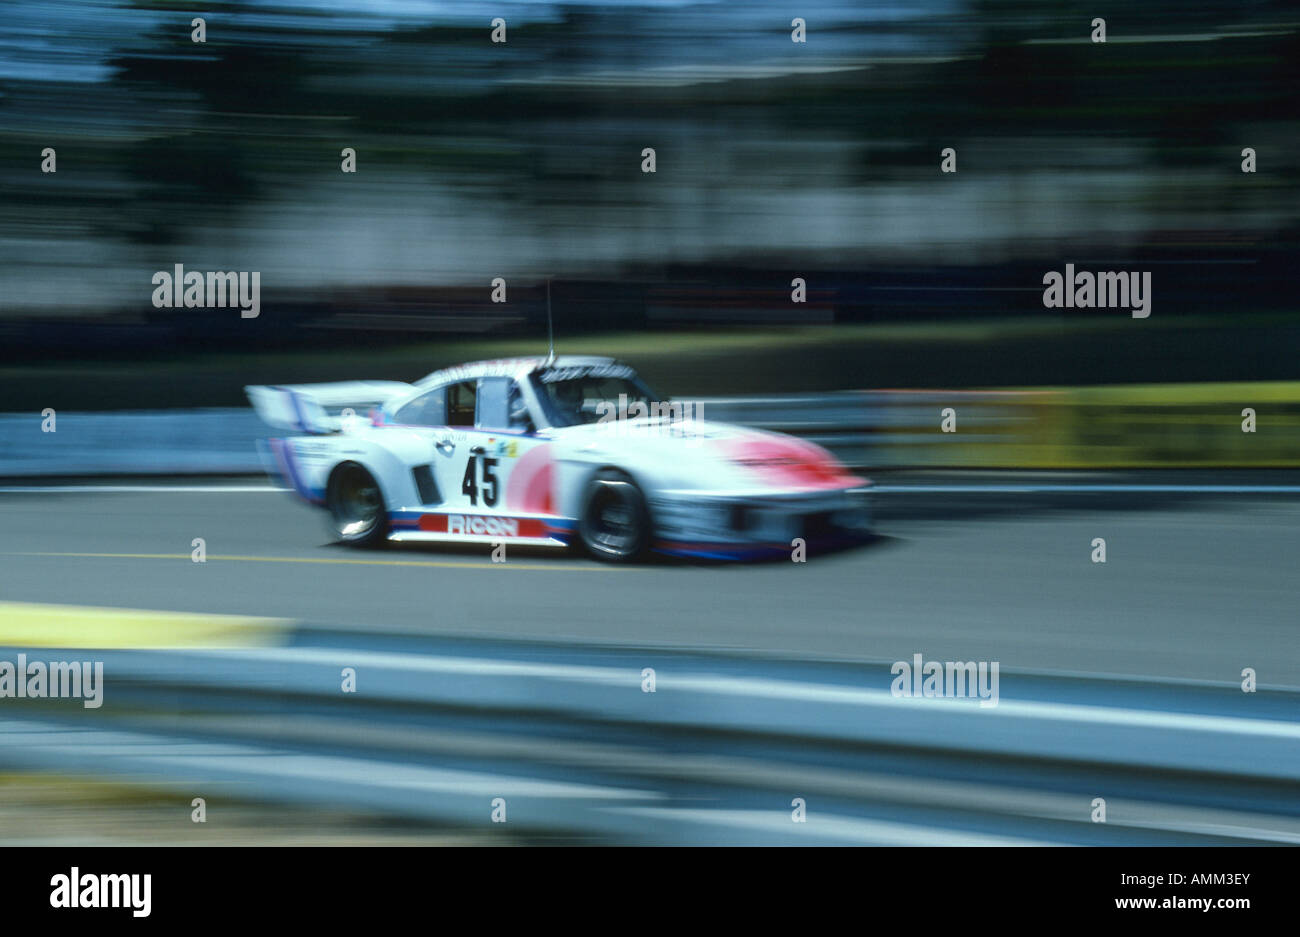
(1124, 427)
(156, 442)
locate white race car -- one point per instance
(551, 452)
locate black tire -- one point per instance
(356, 505)
(614, 525)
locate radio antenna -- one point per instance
(550, 331)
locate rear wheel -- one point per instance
(356, 506)
(615, 521)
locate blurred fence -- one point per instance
(1131, 426)
(715, 749)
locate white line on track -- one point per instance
(113, 489)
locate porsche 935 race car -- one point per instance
(555, 451)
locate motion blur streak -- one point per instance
(1103, 506)
(225, 155)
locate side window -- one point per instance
(426, 410)
(493, 402)
(460, 404)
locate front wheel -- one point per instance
(615, 521)
(356, 506)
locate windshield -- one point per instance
(581, 396)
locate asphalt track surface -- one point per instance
(1198, 583)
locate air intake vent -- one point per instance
(425, 485)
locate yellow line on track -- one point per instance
(449, 564)
(30, 625)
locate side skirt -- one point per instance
(457, 527)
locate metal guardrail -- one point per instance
(724, 750)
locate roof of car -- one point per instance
(508, 367)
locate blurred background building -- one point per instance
(522, 160)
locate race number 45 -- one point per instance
(470, 483)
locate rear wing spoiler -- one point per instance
(319, 408)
